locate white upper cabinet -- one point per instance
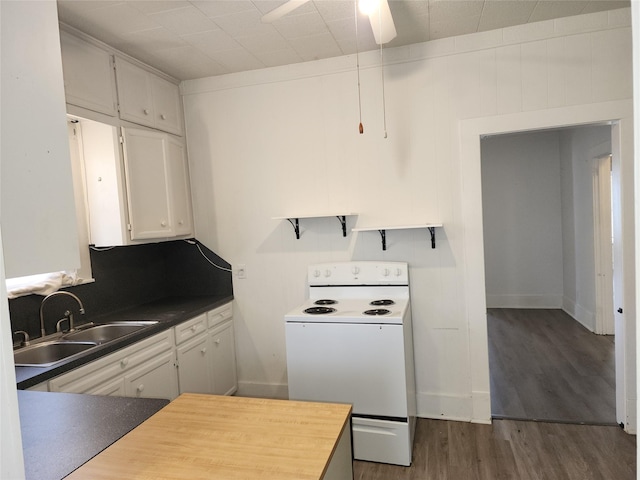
(157, 183)
(39, 229)
(147, 181)
(89, 80)
(179, 187)
(147, 99)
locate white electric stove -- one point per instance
(351, 342)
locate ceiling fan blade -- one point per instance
(384, 30)
(282, 10)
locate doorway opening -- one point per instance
(546, 200)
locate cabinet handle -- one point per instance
(145, 111)
(162, 116)
(194, 328)
(140, 388)
(204, 350)
(217, 341)
(163, 223)
(180, 222)
(124, 362)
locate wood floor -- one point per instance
(544, 365)
(513, 450)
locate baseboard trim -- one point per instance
(474, 408)
(524, 301)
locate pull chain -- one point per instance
(360, 127)
(384, 108)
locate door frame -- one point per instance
(619, 114)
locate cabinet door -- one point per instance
(134, 93)
(194, 360)
(156, 378)
(88, 75)
(223, 359)
(148, 195)
(180, 191)
(166, 105)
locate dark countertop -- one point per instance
(61, 431)
(167, 311)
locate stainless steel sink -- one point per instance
(76, 343)
(46, 354)
(106, 332)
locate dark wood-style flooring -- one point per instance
(545, 366)
(513, 450)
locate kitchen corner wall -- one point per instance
(284, 141)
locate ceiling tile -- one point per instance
(237, 60)
(336, 10)
(549, 10)
(503, 13)
(278, 57)
(449, 27)
(243, 24)
(149, 7)
(184, 20)
(264, 42)
(294, 26)
(212, 41)
(600, 6)
(315, 47)
(148, 40)
(215, 9)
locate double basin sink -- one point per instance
(76, 343)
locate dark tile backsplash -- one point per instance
(130, 276)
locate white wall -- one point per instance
(279, 141)
(579, 148)
(522, 220)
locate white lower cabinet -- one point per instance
(153, 379)
(202, 349)
(223, 359)
(206, 353)
(148, 365)
(194, 358)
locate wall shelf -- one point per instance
(294, 220)
(383, 231)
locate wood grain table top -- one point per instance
(215, 437)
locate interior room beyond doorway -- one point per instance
(540, 270)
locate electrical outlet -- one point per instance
(241, 271)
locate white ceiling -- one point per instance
(199, 38)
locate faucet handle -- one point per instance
(25, 341)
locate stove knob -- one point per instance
(316, 273)
(398, 272)
(327, 273)
(385, 272)
(355, 270)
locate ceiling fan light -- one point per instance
(368, 7)
(384, 30)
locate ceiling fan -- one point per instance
(378, 12)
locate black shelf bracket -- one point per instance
(343, 221)
(432, 231)
(383, 235)
(296, 226)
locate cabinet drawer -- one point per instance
(219, 315)
(191, 328)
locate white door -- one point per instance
(359, 364)
(223, 360)
(194, 358)
(180, 192)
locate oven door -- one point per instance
(361, 364)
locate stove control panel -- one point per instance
(359, 273)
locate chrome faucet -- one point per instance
(25, 341)
(67, 313)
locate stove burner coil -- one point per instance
(319, 310)
(377, 311)
(379, 303)
(325, 301)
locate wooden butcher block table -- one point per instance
(214, 437)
